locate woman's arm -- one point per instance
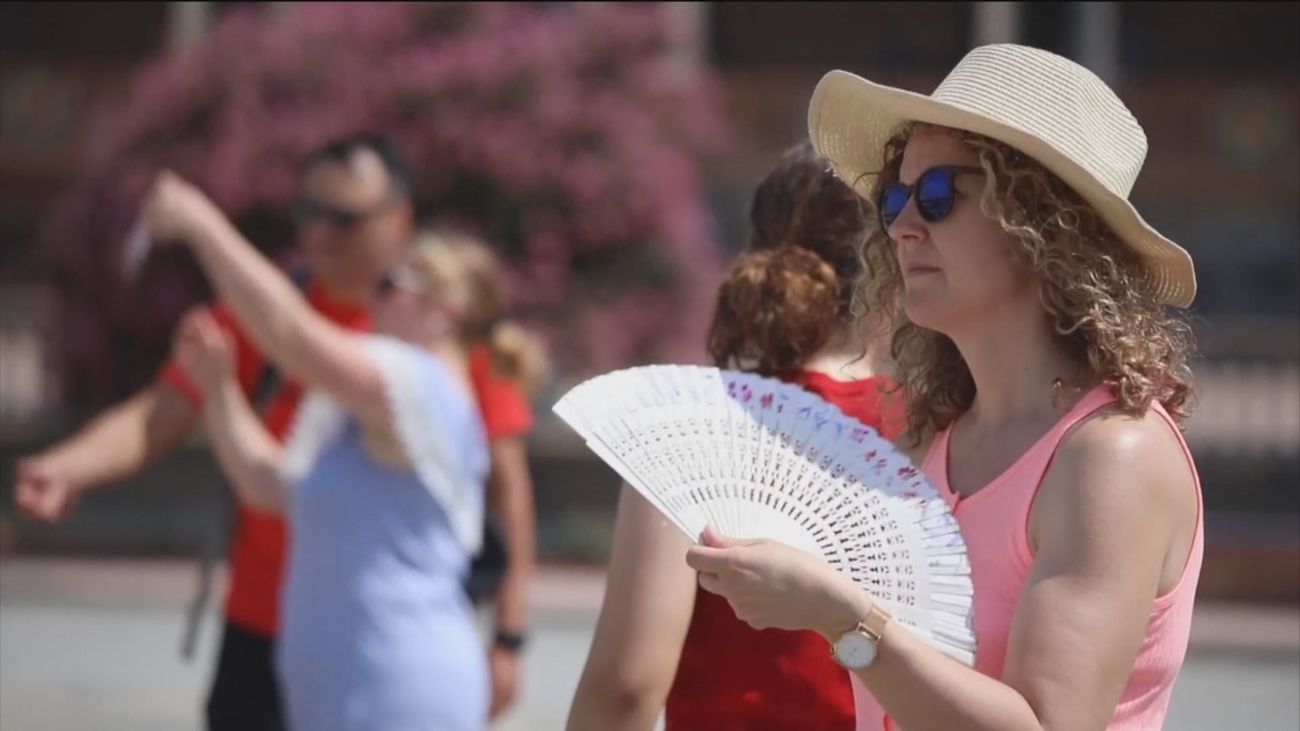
(248, 455)
(1103, 523)
(268, 306)
(510, 499)
(246, 452)
(649, 600)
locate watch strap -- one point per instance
(510, 641)
(873, 625)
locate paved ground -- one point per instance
(93, 645)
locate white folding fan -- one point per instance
(760, 458)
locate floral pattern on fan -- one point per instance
(760, 458)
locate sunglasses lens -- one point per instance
(305, 211)
(892, 201)
(934, 193)
(343, 219)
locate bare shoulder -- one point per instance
(1115, 463)
(1112, 439)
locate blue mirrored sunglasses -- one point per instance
(934, 191)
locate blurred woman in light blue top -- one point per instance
(382, 480)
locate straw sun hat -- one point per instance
(1046, 106)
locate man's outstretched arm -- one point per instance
(117, 444)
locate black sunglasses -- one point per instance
(934, 192)
(305, 210)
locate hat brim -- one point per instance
(850, 119)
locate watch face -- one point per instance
(855, 650)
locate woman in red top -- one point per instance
(506, 365)
(784, 310)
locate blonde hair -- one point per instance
(1093, 288)
(466, 275)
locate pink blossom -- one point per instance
(561, 131)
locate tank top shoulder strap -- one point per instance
(1100, 396)
(935, 462)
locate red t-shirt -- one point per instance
(505, 409)
(257, 549)
(732, 677)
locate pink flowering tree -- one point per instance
(567, 134)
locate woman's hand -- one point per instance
(204, 350)
(770, 584)
(504, 667)
(176, 210)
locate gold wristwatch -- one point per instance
(856, 649)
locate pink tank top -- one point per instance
(994, 523)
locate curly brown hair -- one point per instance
(1093, 287)
(781, 302)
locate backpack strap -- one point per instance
(264, 391)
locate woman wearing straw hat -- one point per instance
(1045, 384)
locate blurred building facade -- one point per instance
(1216, 85)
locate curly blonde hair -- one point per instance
(1091, 284)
